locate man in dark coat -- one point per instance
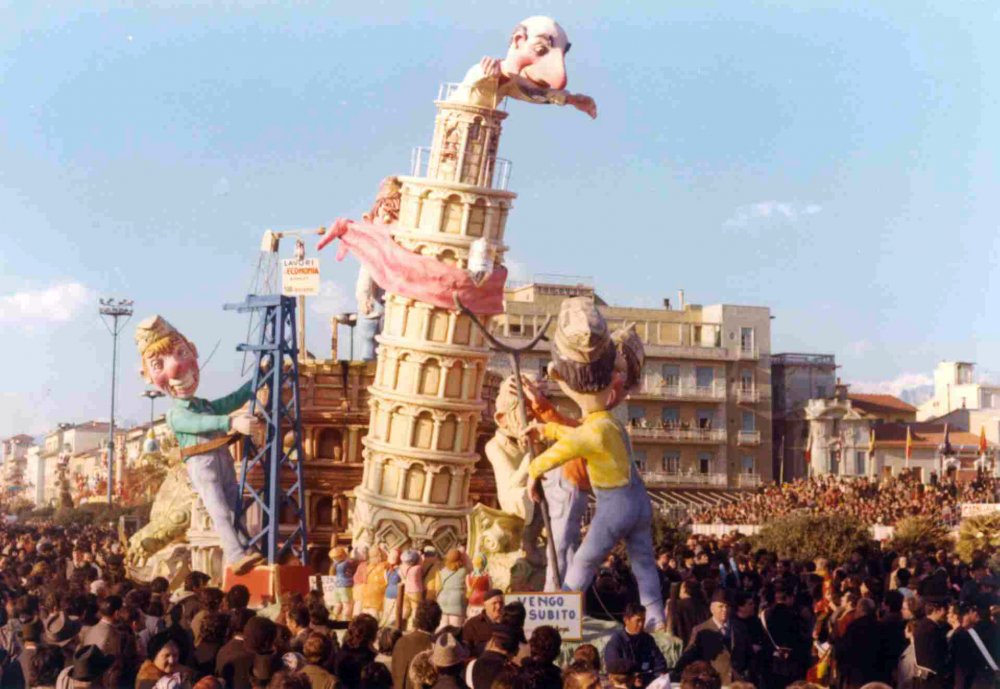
(425, 622)
(749, 639)
(857, 651)
(234, 662)
(501, 648)
(789, 644)
(635, 646)
(892, 636)
(478, 630)
(972, 667)
(713, 641)
(930, 646)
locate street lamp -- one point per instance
(115, 313)
(152, 395)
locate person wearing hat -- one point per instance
(478, 629)
(87, 669)
(449, 655)
(584, 363)
(21, 673)
(930, 644)
(713, 640)
(203, 429)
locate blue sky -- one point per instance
(835, 161)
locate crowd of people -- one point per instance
(72, 619)
(882, 501)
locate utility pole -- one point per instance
(115, 313)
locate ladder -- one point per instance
(276, 401)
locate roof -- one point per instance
(924, 435)
(874, 403)
(19, 438)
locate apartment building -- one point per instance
(702, 417)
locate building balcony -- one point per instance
(751, 395)
(748, 480)
(747, 353)
(748, 438)
(684, 390)
(678, 435)
(663, 478)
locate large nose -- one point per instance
(550, 69)
(172, 367)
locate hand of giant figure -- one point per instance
(589, 368)
(534, 70)
(170, 362)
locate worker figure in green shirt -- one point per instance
(204, 429)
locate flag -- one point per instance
(809, 450)
(909, 445)
(983, 446)
(947, 449)
(871, 444)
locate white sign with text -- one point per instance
(300, 278)
(563, 610)
(975, 509)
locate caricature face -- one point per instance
(175, 371)
(539, 51)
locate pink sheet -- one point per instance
(403, 272)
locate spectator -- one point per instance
(357, 651)
(317, 650)
(635, 646)
(425, 621)
(449, 655)
(478, 629)
(713, 641)
(496, 658)
(163, 662)
(700, 675)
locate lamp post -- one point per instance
(115, 313)
(152, 395)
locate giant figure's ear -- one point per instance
(194, 350)
(519, 35)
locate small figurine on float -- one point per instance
(534, 70)
(450, 585)
(412, 576)
(477, 583)
(204, 429)
(343, 583)
(392, 577)
(375, 582)
(360, 556)
(584, 359)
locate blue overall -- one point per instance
(567, 507)
(624, 513)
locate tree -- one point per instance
(919, 534)
(666, 532)
(803, 536)
(979, 534)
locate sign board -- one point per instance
(325, 584)
(300, 278)
(976, 509)
(563, 610)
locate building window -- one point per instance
(749, 422)
(834, 462)
(748, 464)
(706, 418)
(671, 375)
(746, 380)
(640, 459)
(329, 445)
(672, 462)
(859, 463)
(324, 512)
(820, 392)
(746, 339)
(704, 463)
(636, 413)
(671, 417)
(704, 376)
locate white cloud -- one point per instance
(56, 304)
(765, 212)
(333, 298)
(894, 386)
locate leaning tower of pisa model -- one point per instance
(426, 401)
